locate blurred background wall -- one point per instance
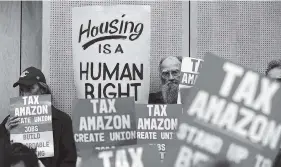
(245, 32)
(20, 45)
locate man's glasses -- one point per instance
(166, 74)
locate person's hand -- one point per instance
(40, 164)
(11, 123)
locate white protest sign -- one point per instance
(190, 68)
(35, 129)
(157, 124)
(189, 71)
(129, 156)
(111, 51)
(100, 124)
(235, 115)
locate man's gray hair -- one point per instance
(273, 64)
(164, 58)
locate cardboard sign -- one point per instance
(103, 122)
(111, 51)
(182, 155)
(157, 124)
(190, 68)
(235, 113)
(129, 156)
(35, 129)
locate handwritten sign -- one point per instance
(35, 128)
(129, 156)
(104, 122)
(190, 69)
(157, 124)
(111, 51)
(235, 114)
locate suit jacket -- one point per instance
(156, 98)
(65, 154)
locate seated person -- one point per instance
(32, 82)
(22, 156)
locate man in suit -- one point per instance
(32, 82)
(170, 70)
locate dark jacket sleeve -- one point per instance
(151, 98)
(4, 148)
(277, 161)
(68, 148)
(4, 144)
(4, 133)
(155, 98)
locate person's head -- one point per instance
(32, 82)
(274, 69)
(170, 69)
(22, 156)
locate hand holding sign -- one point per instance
(11, 123)
(33, 115)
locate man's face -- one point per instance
(19, 164)
(170, 70)
(170, 77)
(30, 90)
(275, 73)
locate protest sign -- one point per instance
(234, 112)
(157, 124)
(181, 155)
(35, 129)
(190, 68)
(111, 51)
(103, 122)
(129, 156)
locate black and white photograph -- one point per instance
(140, 83)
